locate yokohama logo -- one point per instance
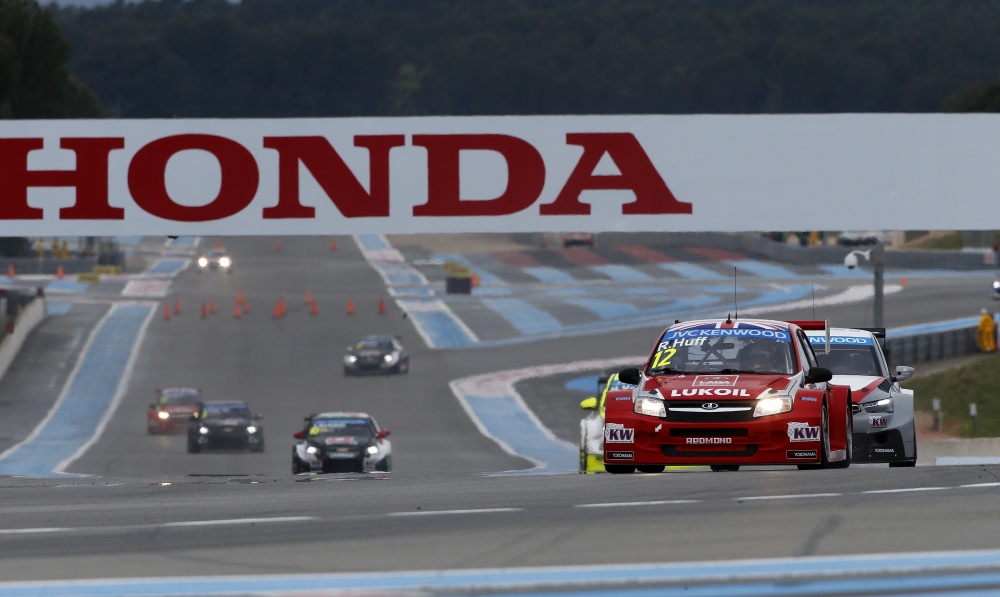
(301, 178)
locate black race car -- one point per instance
(225, 425)
(376, 354)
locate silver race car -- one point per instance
(884, 428)
(341, 442)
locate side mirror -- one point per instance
(383, 432)
(903, 373)
(300, 434)
(818, 375)
(629, 375)
(589, 403)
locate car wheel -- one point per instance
(722, 468)
(651, 468)
(193, 448)
(620, 469)
(384, 465)
(259, 447)
(824, 441)
(297, 465)
(404, 367)
(583, 461)
(347, 372)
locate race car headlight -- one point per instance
(350, 359)
(652, 407)
(388, 358)
(879, 406)
(163, 414)
(772, 406)
(225, 262)
(372, 450)
(202, 262)
(251, 429)
(312, 449)
(203, 430)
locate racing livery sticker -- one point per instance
(714, 380)
(877, 421)
(842, 340)
(711, 392)
(616, 433)
(811, 454)
(619, 456)
(802, 432)
(708, 440)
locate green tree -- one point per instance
(977, 98)
(34, 81)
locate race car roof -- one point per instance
(843, 336)
(341, 415)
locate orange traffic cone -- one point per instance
(204, 311)
(309, 297)
(902, 281)
(277, 310)
(333, 245)
(381, 306)
(218, 245)
(350, 306)
(177, 306)
(314, 310)
(236, 311)
(239, 296)
(10, 270)
(59, 272)
(211, 307)
(166, 311)
(277, 246)
(246, 306)
(475, 279)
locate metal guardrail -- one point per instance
(931, 346)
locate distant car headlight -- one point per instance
(388, 358)
(996, 286)
(312, 449)
(202, 262)
(163, 414)
(251, 429)
(652, 407)
(203, 430)
(879, 406)
(225, 262)
(350, 359)
(773, 405)
(372, 450)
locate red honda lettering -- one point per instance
(525, 175)
(637, 174)
(147, 178)
(90, 179)
(333, 175)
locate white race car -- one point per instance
(884, 427)
(341, 442)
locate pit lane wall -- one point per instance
(21, 327)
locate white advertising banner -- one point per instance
(499, 174)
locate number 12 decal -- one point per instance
(662, 358)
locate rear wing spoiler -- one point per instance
(815, 325)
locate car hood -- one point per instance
(230, 422)
(862, 386)
(714, 387)
(179, 409)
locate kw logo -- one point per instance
(615, 433)
(802, 432)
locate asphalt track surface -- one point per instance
(135, 506)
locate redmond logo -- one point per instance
(708, 440)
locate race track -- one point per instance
(133, 505)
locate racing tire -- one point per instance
(384, 465)
(849, 448)
(824, 441)
(724, 468)
(297, 465)
(193, 448)
(258, 448)
(620, 469)
(909, 462)
(583, 461)
(651, 468)
(404, 367)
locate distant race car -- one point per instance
(225, 425)
(728, 393)
(592, 427)
(376, 354)
(219, 259)
(341, 442)
(884, 426)
(172, 410)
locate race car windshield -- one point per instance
(851, 360)
(709, 349)
(385, 345)
(359, 430)
(225, 412)
(179, 399)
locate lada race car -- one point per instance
(592, 427)
(728, 393)
(341, 442)
(884, 426)
(376, 354)
(172, 410)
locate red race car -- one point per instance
(172, 410)
(728, 393)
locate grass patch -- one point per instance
(977, 382)
(952, 241)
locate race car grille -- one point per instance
(693, 411)
(672, 451)
(709, 432)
